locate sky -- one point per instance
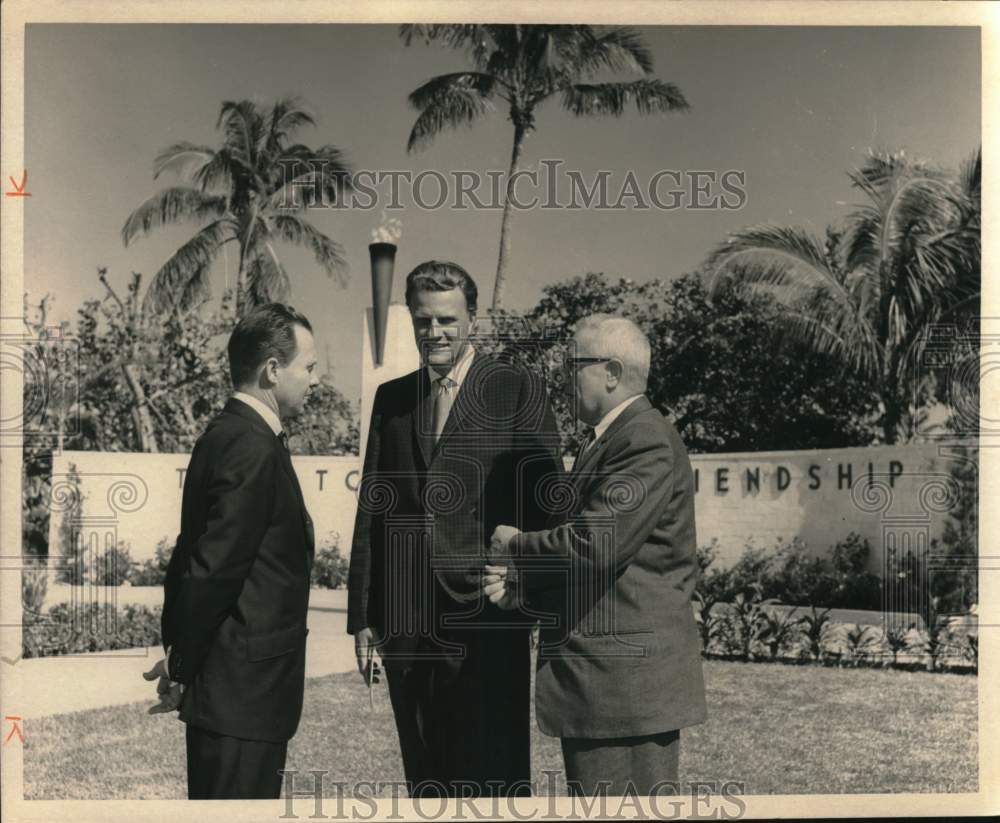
(794, 109)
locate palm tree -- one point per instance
(248, 191)
(907, 259)
(524, 66)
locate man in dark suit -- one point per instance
(454, 449)
(619, 672)
(237, 586)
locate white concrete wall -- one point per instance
(819, 496)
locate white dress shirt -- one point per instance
(458, 370)
(610, 418)
(262, 409)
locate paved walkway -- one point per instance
(55, 685)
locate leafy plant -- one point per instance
(897, 639)
(113, 567)
(970, 650)
(153, 572)
(89, 627)
(711, 624)
(907, 259)
(778, 630)
(816, 628)
(330, 569)
(861, 643)
(935, 640)
(34, 586)
(744, 621)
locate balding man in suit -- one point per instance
(619, 673)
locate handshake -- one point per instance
(500, 579)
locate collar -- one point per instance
(612, 415)
(262, 409)
(458, 371)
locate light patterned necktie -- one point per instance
(444, 396)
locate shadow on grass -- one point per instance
(776, 729)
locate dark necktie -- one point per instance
(588, 441)
(283, 439)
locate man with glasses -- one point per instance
(619, 664)
(454, 449)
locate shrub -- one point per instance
(329, 569)
(153, 572)
(856, 588)
(72, 568)
(797, 579)
(711, 624)
(90, 627)
(34, 586)
(779, 630)
(816, 628)
(862, 644)
(113, 567)
(897, 639)
(744, 620)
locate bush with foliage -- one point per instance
(329, 567)
(34, 587)
(786, 573)
(91, 627)
(153, 572)
(717, 370)
(114, 567)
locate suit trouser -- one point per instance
(613, 767)
(229, 768)
(463, 722)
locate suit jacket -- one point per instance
(620, 654)
(237, 587)
(426, 511)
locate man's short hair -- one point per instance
(619, 337)
(441, 275)
(267, 331)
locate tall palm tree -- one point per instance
(250, 192)
(523, 66)
(907, 259)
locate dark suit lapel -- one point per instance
(422, 416)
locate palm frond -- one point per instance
(444, 84)
(183, 279)
(324, 174)
(287, 116)
(220, 172)
(452, 107)
(242, 125)
(180, 157)
(649, 96)
(327, 252)
(616, 50)
(266, 278)
(783, 256)
(170, 206)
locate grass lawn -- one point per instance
(779, 729)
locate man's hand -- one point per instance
(500, 586)
(365, 644)
(170, 692)
(501, 537)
